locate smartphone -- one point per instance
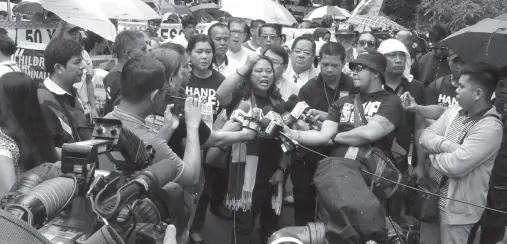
(177, 109)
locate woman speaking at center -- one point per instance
(253, 180)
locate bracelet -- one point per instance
(237, 72)
(333, 138)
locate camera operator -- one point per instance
(144, 86)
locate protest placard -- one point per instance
(28, 31)
(30, 58)
(167, 31)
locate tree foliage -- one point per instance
(401, 11)
(457, 14)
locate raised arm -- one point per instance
(229, 85)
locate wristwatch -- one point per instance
(281, 168)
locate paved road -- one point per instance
(219, 231)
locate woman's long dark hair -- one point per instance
(21, 118)
(246, 86)
(201, 38)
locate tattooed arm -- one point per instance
(377, 128)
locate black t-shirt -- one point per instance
(416, 89)
(175, 143)
(378, 103)
(206, 88)
(112, 84)
(270, 150)
(316, 97)
(441, 92)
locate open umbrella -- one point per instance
(374, 22)
(484, 41)
(319, 13)
(207, 8)
(502, 17)
(267, 10)
(28, 7)
(85, 14)
(127, 9)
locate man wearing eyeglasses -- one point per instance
(434, 64)
(302, 55)
(269, 34)
(237, 54)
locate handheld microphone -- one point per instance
(239, 114)
(273, 124)
(254, 119)
(287, 117)
(301, 111)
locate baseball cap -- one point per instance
(371, 59)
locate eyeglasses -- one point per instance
(237, 32)
(439, 48)
(358, 68)
(364, 43)
(266, 37)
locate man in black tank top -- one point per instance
(443, 90)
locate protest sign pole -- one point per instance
(9, 10)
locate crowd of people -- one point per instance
(435, 116)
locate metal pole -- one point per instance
(9, 10)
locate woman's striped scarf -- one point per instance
(242, 172)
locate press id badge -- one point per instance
(352, 153)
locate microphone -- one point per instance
(287, 117)
(239, 114)
(152, 178)
(253, 120)
(301, 111)
(273, 124)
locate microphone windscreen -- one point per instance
(279, 108)
(244, 106)
(293, 98)
(264, 122)
(290, 105)
(267, 109)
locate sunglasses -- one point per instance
(357, 68)
(439, 48)
(364, 43)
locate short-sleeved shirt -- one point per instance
(270, 151)
(137, 125)
(206, 88)
(378, 103)
(416, 90)
(112, 84)
(441, 92)
(316, 97)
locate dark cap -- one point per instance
(371, 59)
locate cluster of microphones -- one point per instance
(270, 121)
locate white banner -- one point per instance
(166, 30)
(26, 31)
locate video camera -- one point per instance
(69, 201)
